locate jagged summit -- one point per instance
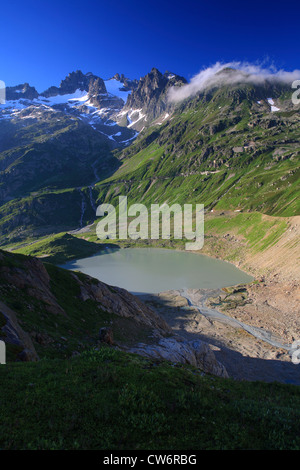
(150, 98)
(83, 96)
(110, 106)
(77, 81)
(23, 90)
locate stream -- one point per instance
(212, 314)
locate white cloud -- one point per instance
(216, 76)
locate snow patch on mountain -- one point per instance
(79, 95)
(114, 87)
(271, 103)
(136, 114)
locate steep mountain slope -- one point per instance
(149, 100)
(230, 147)
(47, 151)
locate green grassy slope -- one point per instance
(53, 152)
(223, 149)
(60, 248)
(110, 400)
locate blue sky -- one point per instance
(43, 41)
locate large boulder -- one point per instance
(177, 350)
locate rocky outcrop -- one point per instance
(77, 81)
(150, 96)
(31, 276)
(23, 91)
(122, 303)
(93, 85)
(106, 336)
(128, 84)
(177, 350)
(151, 87)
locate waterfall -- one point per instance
(83, 208)
(92, 201)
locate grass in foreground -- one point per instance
(110, 400)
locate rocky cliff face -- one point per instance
(152, 89)
(23, 91)
(149, 100)
(120, 302)
(15, 337)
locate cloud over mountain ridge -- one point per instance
(231, 73)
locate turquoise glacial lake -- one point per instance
(154, 270)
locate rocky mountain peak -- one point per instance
(151, 92)
(117, 76)
(77, 81)
(23, 90)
